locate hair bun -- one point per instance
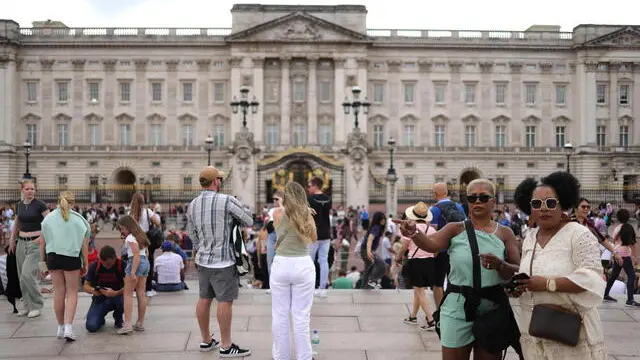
(523, 193)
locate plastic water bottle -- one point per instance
(315, 344)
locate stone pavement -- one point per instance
(353, 325)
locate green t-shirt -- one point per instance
(342, 283)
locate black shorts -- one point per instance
(422, 272)
(365, 224)
(442, 268)
(62, 262)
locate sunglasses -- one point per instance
(549, 203)
(484, 198)
(585, 206)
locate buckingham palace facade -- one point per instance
(124, 106)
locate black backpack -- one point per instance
(450, 212)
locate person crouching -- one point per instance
(105, 281)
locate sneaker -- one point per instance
(608, 298)
(234, 351)
(411, 320)
(33, 313)
(431, 326)
(138, 327)
(269, 291)
(205, 347)
(22, 313)
(60, 334)
(125, 330)
(632, 303)
(321, 293)
(69, 336)
(374, 285)
(151, 293)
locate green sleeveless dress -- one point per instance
(455, 331)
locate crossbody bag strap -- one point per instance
(475, 254)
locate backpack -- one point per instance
(118, 273)
(450, 212)
(243, 264)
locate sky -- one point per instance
(396, 14)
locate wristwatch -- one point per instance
(551, 285)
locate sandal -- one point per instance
(411, 320)
(138, 327)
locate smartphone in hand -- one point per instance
(511, 284)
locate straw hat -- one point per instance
(419, 211)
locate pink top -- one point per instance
(420, 254)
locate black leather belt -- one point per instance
(28, 238)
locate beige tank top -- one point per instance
(289, 242)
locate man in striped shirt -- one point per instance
(210, 219)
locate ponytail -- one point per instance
(64, 203)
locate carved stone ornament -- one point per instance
(393, 65)
(141, 64)
(109, 64)
(243, 148)
(591, 65)
(203, 64)
(47, 64)
(172, 65)
(627, 40)
(546, 65)
(425, 65)
(485, 66)
(357, 150)
(358, 171)
(516, 66)
(78, 64)
(301, 30)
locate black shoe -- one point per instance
(234, 351)
(632, 303)
(118, 324)
(204, 347)
(609, 299)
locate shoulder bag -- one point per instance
(154, 234)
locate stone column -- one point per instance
(612, 127)
(173, 91)
(357, 168)
(285, 102)
(635, 103)
(204, 100)
(312, 103)
(339, 93)
(48, 127)
(9, 120)
(244, 168)
(236, 84)
(515, 103)
(110, 96)
(256, 121)
(586, 74)
(455, 116)
(142, 99)
(485, 104)
(392, 194)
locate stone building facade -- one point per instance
(121, 106)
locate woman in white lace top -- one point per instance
(565, 269)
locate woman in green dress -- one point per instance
(499, 259)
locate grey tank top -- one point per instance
(289, 242)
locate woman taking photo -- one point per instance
(293, 274)
(65, 237)
(27, 230)
(146, 218)
(495, 242)
(562, 260)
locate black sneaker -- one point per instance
(205, 347)
(234, 351)
(431, 326)
(633, 304)
(609, 299)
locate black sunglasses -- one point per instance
(549, 203)
(484, 198)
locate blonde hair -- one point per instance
(27, 181)
(296, 207)
(65, 200)
(129, 223)
(489, 186)
(137, 203)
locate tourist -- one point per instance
(105, 281)
(65, 238)
(374, 267)
(321, 205)
(146, 218)
(293, 275)
(625, 248)
(169, 269)
(342, 282)
(30, 212)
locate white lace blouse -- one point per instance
(573, 252)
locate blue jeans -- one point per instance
(100, 307)
(169, 287)
(271, 249)
(321, 247)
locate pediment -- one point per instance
(628, 36)
(409, 118)
(440, 118)
(561, 120)
(124, 117)
(501, 119)
(89, 117)
(471, 118)
(298, 27)
(378, 118)
(187, 117)
(31, 116)
(218, 118)
(531, 119)
(156, 117)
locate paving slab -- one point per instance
(320, 323)
(134, 343)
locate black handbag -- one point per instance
(154, 234)
(406, 267)
(554, 322)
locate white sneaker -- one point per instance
(60, 332)
(321, 293)
(33, 313)
(151, 293)
(22, 313)
(69, 336)
(268, 291)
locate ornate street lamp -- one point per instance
(392, 178)
(568, 148)
(244, 104)
(392, 145)
(27, 152)
(356, 104)
(208, 145)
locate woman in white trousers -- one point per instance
(293, 275)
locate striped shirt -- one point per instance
(209, 224)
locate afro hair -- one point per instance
(566, 186)
(523, 193)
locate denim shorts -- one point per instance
(143, 266)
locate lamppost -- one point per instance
(244, 104)
(104, 187)
(392, 178)
(568, 148)
(392, 145)
(356, 104)
(208, 145)
(27, 152)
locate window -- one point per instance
(125, 91)
(125, 134)
(470, 93)
(501, 136)
(32, 91)
(378, 93)
(624, 136)
(501, 94)
(187, 135)
(409, 93)
(601, 136)
(408, 182)
(325, 91)
(299, 135)
(378, 136)
(601, 94)
(63, 91)
(439, 93)
(187, 181)
(63, 134)
(560, 136)
(439, 141)
(272, 133)
(299, 90)
(62, 181)
(156, 134)
(156, 91)
(32, 134)
(218, 92)
(94, 91)
(530, 93)
(530, 136)
(218, 135)
(470, 136)
(325, 134)
(187, 91)
(156, 181)
(624, 91)
(409, 135)
(561, 94)
(94, 134)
